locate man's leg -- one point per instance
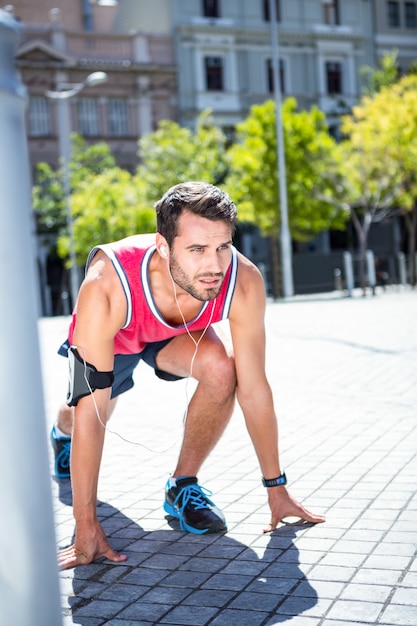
(208, 414)
(61, 441)
(212, 404)
(61, 438)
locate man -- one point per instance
(158, 303)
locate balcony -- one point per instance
(136, 48)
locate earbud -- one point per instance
(164, 251)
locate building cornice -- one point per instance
(253, 35)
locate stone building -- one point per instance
(61, 43)
(172, 59)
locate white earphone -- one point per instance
(164, 251)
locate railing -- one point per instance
(132, 48)
(100, 46)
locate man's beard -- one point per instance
(182, 280)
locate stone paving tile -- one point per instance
(367, 593)
(209, 597)
(398, 615)
(261, 601)
(410, 579)
(125, 622)
(295, 605)
(342, 371)
(405, 595)
(296, 621)
(384, 577)
(350, 610)
(228, 617)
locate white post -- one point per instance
(402, 268)
(370, 269)
(348, 265)
(29, 589)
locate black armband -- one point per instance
(84, 377)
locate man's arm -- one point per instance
(254, 393)
(100, 314)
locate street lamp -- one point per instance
(285, 237)
(62, 95)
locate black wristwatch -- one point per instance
(275, 482)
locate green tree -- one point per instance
(107, 207)
(383, 76)
(370, 188)
(379, 162)
(48, 193)
(311, 173)
(174, 154)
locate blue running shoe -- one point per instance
(62, 450)
(189, 503)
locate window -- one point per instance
(267, 15)
(117, 117)
(393, 14)
(410, 15)
(211, 8)
(270, 75)
(88, 117)
(39, 125)
(214, 73)
(331, 13)
(334, 77)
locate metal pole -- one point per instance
(402, 268)
(29, 589)
(64, 140)
(370, 267)
(64, 136)
(285, 236)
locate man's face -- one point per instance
(200, 255)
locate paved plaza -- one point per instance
(344, 376)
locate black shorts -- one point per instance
(124, 365)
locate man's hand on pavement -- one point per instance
(90, 544)
(283, 505)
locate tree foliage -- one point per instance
(107, 207)
(48, 192)
(380, 156)
(311, 171)
(386, 74)
(174, 154)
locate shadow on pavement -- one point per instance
(176, 578)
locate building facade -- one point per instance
(395, 28)
(173, 59)
(224, 55)
(61, 43)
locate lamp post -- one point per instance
(285, 237)
(29, 587)
(62, 95)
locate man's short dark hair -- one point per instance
(199, 198)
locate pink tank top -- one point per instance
(144, 323)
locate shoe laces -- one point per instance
(194, 497)
(63, 457)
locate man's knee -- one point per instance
(65, 418)
(218, 368)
